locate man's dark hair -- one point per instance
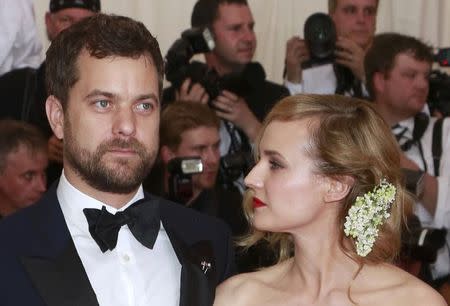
(182, 116)
(101, 36)
(382, 54)
(205, 12)
(14, 133)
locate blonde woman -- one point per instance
(327, 193)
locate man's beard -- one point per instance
(121, 177)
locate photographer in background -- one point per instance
(23, 160)
(190, 129)
(23, 91)
(397, 70)
(231, 24)
(355, 22)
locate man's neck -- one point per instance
(389, 116)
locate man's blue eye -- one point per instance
(102, 103)
(145, 106)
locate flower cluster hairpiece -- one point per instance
(367, 213)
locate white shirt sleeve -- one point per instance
(294, 88)
(442, 215)
(20, 45)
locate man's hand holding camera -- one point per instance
(191, 92)
(227, 106)
(297, 52)
(233, 108)
(351, 55)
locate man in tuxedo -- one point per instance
(95, 238)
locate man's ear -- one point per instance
(166, 154)
(338, 188)
(55, 115)
(379, 80)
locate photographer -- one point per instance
(231, 24)
(191, 129)
(397, 70)
(355, 22)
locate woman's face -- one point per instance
(288, 194)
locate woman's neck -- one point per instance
(319, 263)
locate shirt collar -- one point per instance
(73, 201)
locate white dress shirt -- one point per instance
(20, 45)
(442, 215)
(129, 275)
(317, 80)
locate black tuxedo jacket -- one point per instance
(40, 266)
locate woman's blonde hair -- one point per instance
(350, 139)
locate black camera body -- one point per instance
(439, 94)
(181, 170)
(233, 165)
(178, 66)
(418, 242)
(423, 243)
(320, 37)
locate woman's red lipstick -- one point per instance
(258, 203)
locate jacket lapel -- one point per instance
(52, 263)
(61, 281)
(198, 271)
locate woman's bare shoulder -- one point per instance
(237, 289)
(398, 287)
(416, 292)
(246, 288)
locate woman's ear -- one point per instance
(55, 115)
(338, 188)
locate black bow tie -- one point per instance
(142, 218)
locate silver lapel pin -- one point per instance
(205, 266)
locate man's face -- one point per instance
(405, 89)
(111, 123)
(356, 19)
(23, 181)
(204, 142)
(62, 19)
(234, 37)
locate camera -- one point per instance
(181, 170)
(320, 37)
(233, 165)
(420, 243)
(439, 94)
(178, 66)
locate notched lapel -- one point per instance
(61, 281)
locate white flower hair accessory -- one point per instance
(367, 214)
